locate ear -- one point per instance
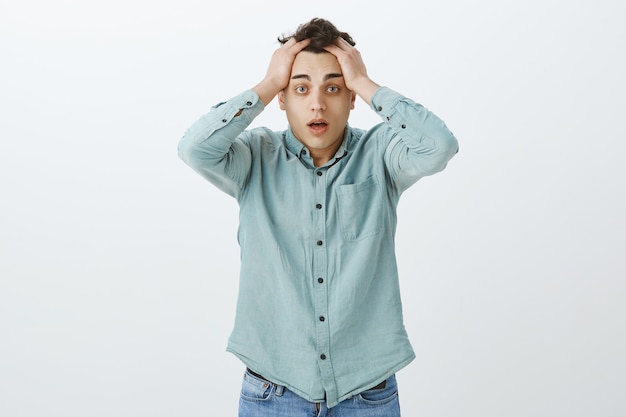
(281, 99)
(352, 100)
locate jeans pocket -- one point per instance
(256, 389)
(382, 395)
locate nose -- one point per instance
(317, 100)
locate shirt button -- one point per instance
(318, 206)
(323, 357)
(320, 243)
(319, 173)
(380, 108)
(322, 318)
(248, 103)
(320, 280)
(403, 126)
(224, 120)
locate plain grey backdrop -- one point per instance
(119, 265)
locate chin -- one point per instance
(318, 143)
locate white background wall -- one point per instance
(118, 264)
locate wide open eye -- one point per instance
(301, 89)
(333, 89)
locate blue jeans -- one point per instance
(261, 398)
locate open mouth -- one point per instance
(318, 125)
(318, 122)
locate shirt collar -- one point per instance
(293, 144)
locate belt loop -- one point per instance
(279, 390)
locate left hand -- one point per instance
(353, 69)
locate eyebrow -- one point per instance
(326, 77)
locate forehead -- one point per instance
(313, 64)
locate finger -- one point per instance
(343, 44)
(289, 43)
(333, 49)
(298, 46)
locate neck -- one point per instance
(321, 156)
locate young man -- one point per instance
(319, 320)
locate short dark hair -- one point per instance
(321, 32)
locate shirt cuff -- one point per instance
(246, 105)
(384, 102)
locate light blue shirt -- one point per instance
(319, 307)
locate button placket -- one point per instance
(320, 289)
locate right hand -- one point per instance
(279, 70)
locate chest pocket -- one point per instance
(360, 209)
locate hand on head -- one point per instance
(352, 65)
(349, 59)
(279, 69)
(353, 69)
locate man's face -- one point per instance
(317, 102)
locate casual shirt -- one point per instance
(319, 307)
